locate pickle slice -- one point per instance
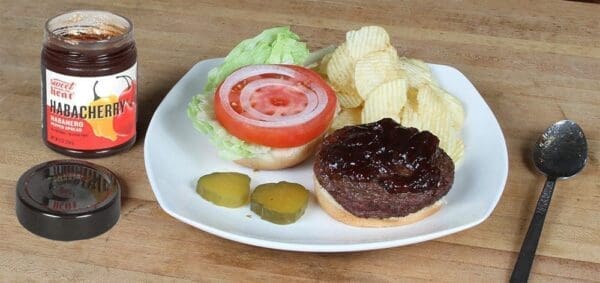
(280, 203)
(227, 189)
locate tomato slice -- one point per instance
(275, 105)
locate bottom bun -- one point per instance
(279, 158)
(335, 210)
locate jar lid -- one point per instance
(68, 200)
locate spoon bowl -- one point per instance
(559, 153)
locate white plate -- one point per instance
(176, 155)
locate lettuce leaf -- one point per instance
(201, 112)
(277, 45)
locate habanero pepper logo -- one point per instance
(110, 115)
(119, 112)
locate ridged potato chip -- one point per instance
(346, 117)
(455, 149)
(417, 71)
(409, 115)
(321, 68)
(366, 40)
(374, 69)
(386, 100)
(419, 74)
(427, 110)
(340, 71)
(454, 106)
(349, 99)
(420, 64)
(340, 67)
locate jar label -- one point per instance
(91, 113)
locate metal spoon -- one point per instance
(560, 153)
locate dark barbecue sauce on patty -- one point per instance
(381, 169)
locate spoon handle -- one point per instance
(527, 253)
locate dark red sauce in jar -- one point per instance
(89, 84)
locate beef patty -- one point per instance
(381, 169)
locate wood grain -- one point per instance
(534, 62)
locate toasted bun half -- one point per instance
(335, 210)
(279, 158)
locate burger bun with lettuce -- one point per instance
(261, 108)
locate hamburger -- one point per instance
(381, 174)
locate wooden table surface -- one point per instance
(534, 62)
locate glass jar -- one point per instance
(89, 84)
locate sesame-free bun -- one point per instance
(335, 210)
(279, 158)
